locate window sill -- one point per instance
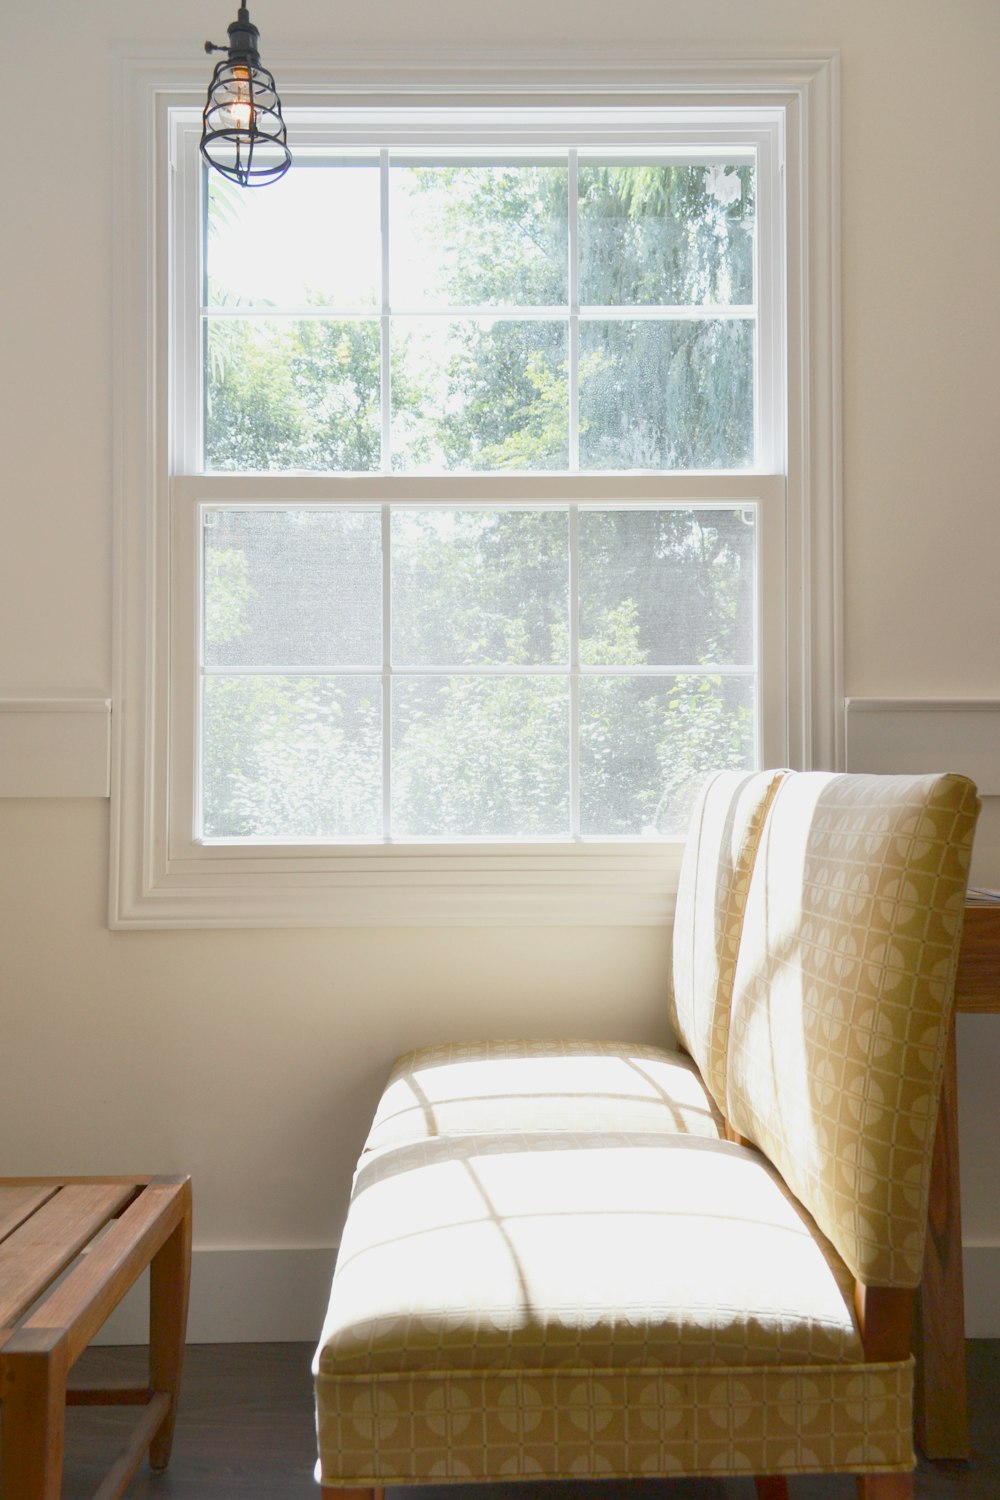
(604, 885)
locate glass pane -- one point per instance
(477, 236)
(483, 394)
(292, 757)
(647, 744)
(313, 239)
(480, 756)
(480, 587)
(667, 587)
(295, 393)
(666, 395)
(293, 588)
(666, 234)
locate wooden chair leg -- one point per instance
(169, 1292)
(940, 1398)
(885, 1487)
(771, 1487)
(33, 1371)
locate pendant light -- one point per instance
(243, 134)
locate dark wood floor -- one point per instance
(245, 1433)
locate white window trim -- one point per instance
(155, 886)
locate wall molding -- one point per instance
(926, 734)
(239, 1297)
(923, 705)
(53, 746)
(981, 1264)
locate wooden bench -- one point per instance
(54, 1299)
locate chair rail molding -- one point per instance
(55, 746)
(888, 735)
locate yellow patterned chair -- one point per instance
(595, 1295)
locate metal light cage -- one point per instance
(243, 132)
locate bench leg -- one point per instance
(169, 1291)
(329, 1493)
(33, 1371)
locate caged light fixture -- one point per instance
(243, 133)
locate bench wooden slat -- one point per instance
(58, 1182)
(82, 1302)
(19, 1202)
(44, 1245)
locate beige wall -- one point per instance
(252, 1058)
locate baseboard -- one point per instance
(981, 1264)
(239, 1297)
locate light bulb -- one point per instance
(237, 112)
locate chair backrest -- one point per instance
(719, 855)
(842, 1002)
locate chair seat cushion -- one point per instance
(551, 1251)
(547, 1306)
(500, 1087)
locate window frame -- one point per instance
(159, 876)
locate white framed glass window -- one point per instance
(475, 514)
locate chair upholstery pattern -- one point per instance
(522, 1326)
(842, 1002)
(593, 1424)
(477, 1088)
(726, 827)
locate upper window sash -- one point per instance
(756, 135)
